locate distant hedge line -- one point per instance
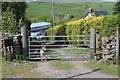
(105, 26)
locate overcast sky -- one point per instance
(111, 0)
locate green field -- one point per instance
(78, 50)
(75, 9)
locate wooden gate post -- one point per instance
(24, 39)
(92, 43)
(117, 44)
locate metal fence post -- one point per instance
(92, 43)
(24, 39)
(117, 44)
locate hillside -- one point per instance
(72, 8)
(72, 0)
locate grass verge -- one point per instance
(12, 69)
(0, 64)
(30, 74)
(104, 67)
(61, 65)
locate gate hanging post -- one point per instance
(92, 43)
(117, 44)
(24, 39)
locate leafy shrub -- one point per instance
(110, 23)
(41, 19)
(82, 27)
(11, 22)
(104, 25)
(52, 32)
(79, 27)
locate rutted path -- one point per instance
(79, 71)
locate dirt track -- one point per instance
(79, 71)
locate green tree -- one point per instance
(13, 16)
(9, 22)
(18, 8)
(110, 23)
(116, 9)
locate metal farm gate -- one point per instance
(63, 47)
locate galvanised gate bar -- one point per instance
(62, 49)
(60, 52)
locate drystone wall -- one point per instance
(106, 47)
(17, 43)
(109, 47)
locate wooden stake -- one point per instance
(117, 44)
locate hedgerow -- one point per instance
(82, 27)
(104, 25)
(79, 27)
(110, 23)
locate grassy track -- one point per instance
(29, 74)
(75, 9)
(61, 65)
